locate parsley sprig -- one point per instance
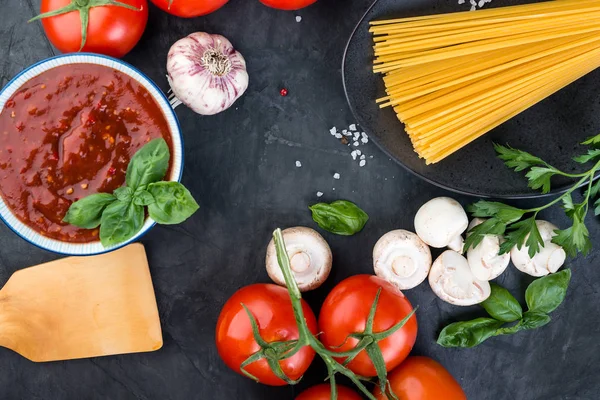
(518, 225)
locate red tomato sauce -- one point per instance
(68, 133)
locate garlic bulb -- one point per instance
(206, 73)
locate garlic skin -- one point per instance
(451, 280)
(206, 73)
(401, 258)
(485, 261)
(549, 259)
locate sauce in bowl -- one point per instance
(68, 133)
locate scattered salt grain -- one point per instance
(362, 163)
(338, 135)
(345, 131)
(352, 127)
(319, 194)
(355, 144)
(363, 157)
(354, 154)
(461, 1)
(336, 176)
(298, 18)
(333, 131)
(333, 188)
(358, 152)
(298, 164)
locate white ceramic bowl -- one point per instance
(90, 248)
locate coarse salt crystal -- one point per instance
(298, 164)
(355, 144)
(362, 163)
(298, 18)
(364, 140)
(461, 1)
(352, 127)
(358, 152)
(336, 176)
(319, 194)
(363, 157)
(354, 154)
(345, 131)
(333, 188)
(338, 135)
(333, 131)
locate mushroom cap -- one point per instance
(451, 280)
(548, 260)
(401, 258)
(440, 222)
(310, 258)
(484, 260)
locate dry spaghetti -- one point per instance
(453, 77)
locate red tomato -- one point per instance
(346, 309)
(112, 30)
(323, 392)
(272, 308)
(421, 378)
(287, 4)
(189, 8)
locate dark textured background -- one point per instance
(240, 167)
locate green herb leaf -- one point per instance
(492, 226)
(595, 191)
(540, 177)
(149, 164)
(120, 222)
(124, 193)
(468, 333)
(86, 213)
(173, 203)
(517, 159)
(592, 141)
(591, 155)
(340, 217)
(597, 207)
(502, 305)
(142, 197)
(533, 320)
(577, 237)
(503, 212)
(523, 233)
(546, 294)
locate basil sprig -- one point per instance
(340, 217)
(542, 296)
(121, 215)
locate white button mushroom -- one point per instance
(549, 259)
(451, 280)
(440, 222)
(401, 258)
(484, 260)
(310, 258)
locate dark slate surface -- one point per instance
(240, 166)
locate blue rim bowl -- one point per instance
(91, 248)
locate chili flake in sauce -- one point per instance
(68, 133)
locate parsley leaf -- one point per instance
(523, 233)
(517, 159)
(576, 238)
(503, 212)
(539, 177)
(592, 141)
(597, 209)
(591, 155)
(492, 226)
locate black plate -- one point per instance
(552, 129)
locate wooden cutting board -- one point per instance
(81, 307)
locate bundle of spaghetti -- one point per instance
(453, 77)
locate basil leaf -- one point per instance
(468, 333)
(173, 203)
(340, 217)
(120, 222)
(142, 197)
(149, 164)
(502, 305)
(533, 320)
(124, 193)
(86, 213)
(545, 294)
